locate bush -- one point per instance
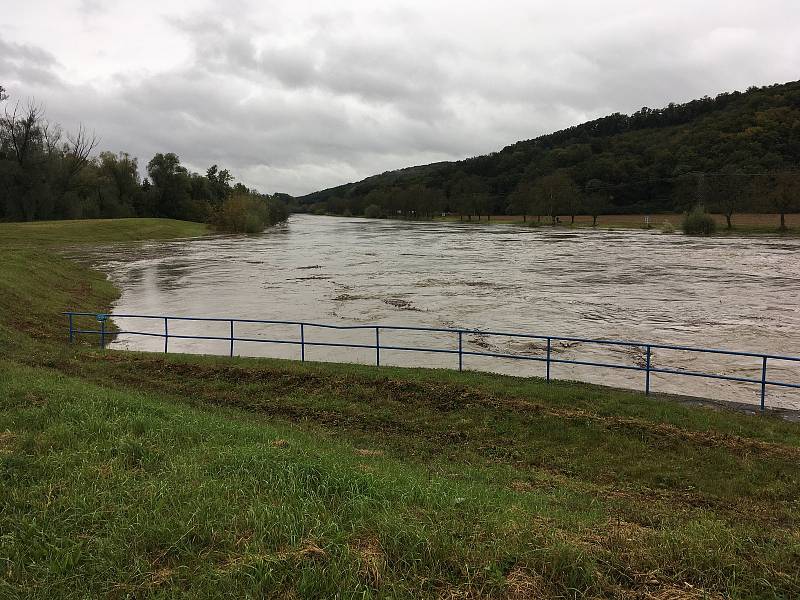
(699, 222)
(249, 213)
(277, 211)
(373, 211)
(667, 227)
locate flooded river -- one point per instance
(731, 293)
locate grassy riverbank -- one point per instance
(743, 224)
(135, 475)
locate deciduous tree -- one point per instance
(783, 195)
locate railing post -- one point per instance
(302, 343)
(647, 374)
(460, 351)
(378, 346)
(71, 330)
(548, 359)
(231, 338)
(763, 382)
(103, 334)
(166, 335)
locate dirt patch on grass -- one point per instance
(368, 452)
(161, 576)
(105, 470)
(236, 562)
(737, 445)
(460, 593)
(371, 559)
(522, 486)
(523, 584)
(687, 592)
(311, 551)
(7, 441)
(627, 530)
(307, 551)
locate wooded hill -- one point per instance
(735, 152)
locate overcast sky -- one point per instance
(300, 95)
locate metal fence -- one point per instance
(104, 334)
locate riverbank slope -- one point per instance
(128, 474)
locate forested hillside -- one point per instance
(46, 173)
(737, 152)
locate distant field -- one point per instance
(132, 475)
(744, 221)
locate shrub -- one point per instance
(699, 222)
(277, 211)
(667, 227)
(249, 213)
(373, 211)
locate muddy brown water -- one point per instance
(738, 293)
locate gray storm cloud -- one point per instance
(297, 98)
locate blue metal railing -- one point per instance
(649, 369)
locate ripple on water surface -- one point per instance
(727, 292)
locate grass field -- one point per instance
(128, 475)
(743, 223)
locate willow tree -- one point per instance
(557, 194)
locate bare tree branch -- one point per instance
(22, 127)
(51, 137)
(78, 150)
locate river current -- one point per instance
(739, 293)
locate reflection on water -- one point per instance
(733, 293)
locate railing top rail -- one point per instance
(445, 330)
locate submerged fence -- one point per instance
(104, 334)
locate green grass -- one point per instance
(94, 232)
(142, 475)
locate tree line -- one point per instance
(738, 152)
(47, 173)
(557, 195)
